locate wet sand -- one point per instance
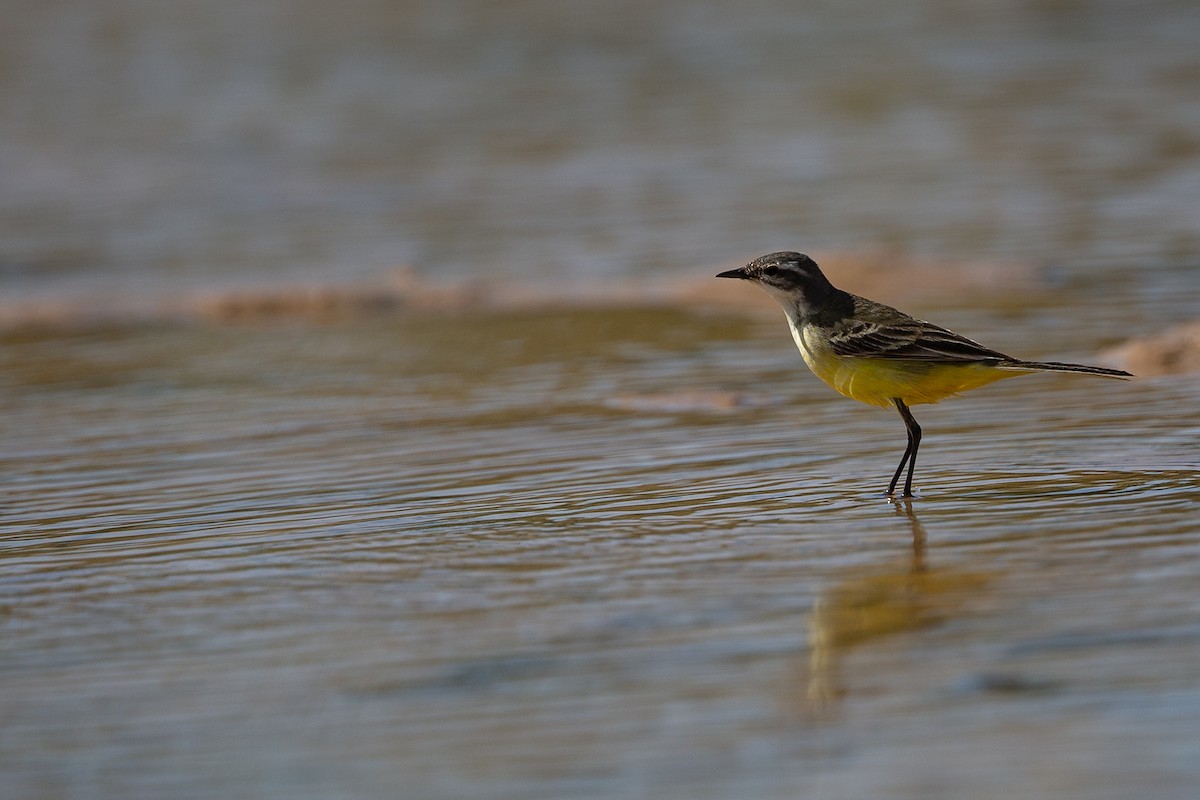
(407, 290)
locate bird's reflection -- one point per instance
(867, 605)
(904, 508)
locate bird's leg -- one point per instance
(910, 452)
(891, 490)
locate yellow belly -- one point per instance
(876, 381)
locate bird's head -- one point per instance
(791, 278)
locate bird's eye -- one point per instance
(772, 271)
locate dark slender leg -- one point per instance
(910, 452)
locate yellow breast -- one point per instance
(876, 381)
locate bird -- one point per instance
(879, 355)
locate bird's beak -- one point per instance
(734, 273)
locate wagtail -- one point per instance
(878, 355)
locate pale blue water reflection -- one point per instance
(250, 570)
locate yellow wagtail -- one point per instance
(881, 356)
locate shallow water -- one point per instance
(428, 555)
(591, 545)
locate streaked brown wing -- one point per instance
(879, 331)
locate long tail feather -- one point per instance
(1056, 366)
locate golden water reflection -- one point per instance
(866, 605)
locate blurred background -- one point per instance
(150, 144)
(292, 506)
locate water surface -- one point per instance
(434, 556)
(609, 543)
